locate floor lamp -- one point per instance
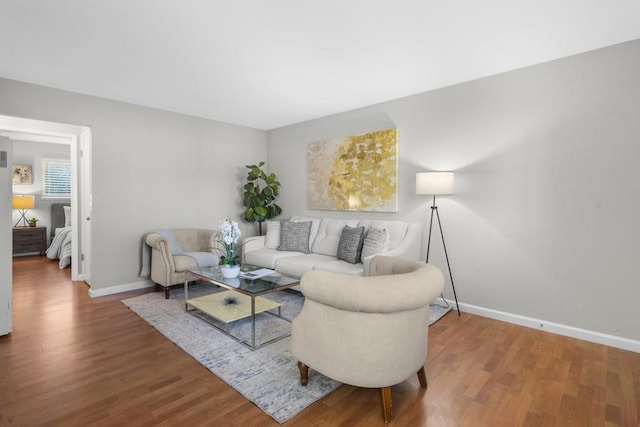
(437, 183)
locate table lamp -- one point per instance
(23, 202)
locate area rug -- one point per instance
(438, 309)
(269, 376)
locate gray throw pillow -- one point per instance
(294, 236)
(375, 241)
(350, 245)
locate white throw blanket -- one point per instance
(145, 258)
(202, 259)
(60, 247)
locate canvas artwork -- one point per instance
(355, 173)
(22, 175)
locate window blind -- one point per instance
(56, 176)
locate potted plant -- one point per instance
(228, 235)
(33, 221)
(260, 193)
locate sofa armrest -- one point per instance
(161, 246)
(154, 240)
(251, 244)
(409, 247)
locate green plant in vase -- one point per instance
(260, 193)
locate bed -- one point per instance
(60, 247)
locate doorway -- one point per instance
(79, 139)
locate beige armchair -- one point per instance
(367, 331)
(176, 250)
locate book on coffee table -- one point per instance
(256, 274)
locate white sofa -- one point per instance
(404, 240)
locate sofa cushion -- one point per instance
(266, 257)
(341, 267)
(272, 239)
(328, 237)
(375, 241)
(294, 236)
(296, 266)
(350, 245)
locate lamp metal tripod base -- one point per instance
(434, 208)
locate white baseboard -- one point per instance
(556, 328)
(120, 288)
(516, 319)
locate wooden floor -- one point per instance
(76, 361)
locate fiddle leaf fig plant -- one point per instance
(260, 193)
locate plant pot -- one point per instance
(32, 224)
(230, 271)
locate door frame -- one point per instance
(80, 140)
(6, 237)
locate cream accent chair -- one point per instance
(367, 331)
(167, 268)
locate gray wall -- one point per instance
(151, 169)
(545, 220)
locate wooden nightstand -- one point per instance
(29, 239)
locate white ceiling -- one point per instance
(267, 64)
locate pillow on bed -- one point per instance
(67, 216)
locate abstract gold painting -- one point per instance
(354, 173)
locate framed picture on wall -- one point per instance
(22, 175)
(354, 173)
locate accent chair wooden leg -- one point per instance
(166, 292)
(422, 377)
(386, 404)
(304, 373)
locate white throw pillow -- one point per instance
(272, 239)
(375, 241)
(67, 216)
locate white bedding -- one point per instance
(60, 247)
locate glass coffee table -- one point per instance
(241, 299)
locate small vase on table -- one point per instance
(230, 271)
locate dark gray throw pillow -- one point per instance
(350, 245)
(294, 236)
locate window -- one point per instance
(56, 178)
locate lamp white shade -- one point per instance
(434, 183)
(23, 201)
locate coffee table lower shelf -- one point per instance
(212, 307)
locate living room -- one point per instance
(540, 230)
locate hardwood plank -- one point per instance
(76, 361)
